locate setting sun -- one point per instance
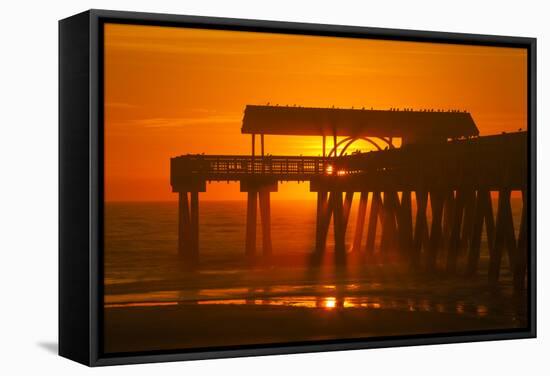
(329, 303)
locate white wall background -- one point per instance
(28, 185)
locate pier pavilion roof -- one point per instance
(307, 121)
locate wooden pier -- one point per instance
(429, 202)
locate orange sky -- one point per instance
(172, 91)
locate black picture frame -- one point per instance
(81, 183)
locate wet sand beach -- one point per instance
(184, 326)
(244, 309)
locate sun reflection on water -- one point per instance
(327, 297)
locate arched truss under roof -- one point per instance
(348, 141)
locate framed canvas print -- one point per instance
(241, 187)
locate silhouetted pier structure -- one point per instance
(451, 173)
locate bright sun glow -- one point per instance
(330, 171)
(330, 303)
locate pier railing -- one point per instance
(486, 161)
(226, 167)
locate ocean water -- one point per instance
(141, 238)
(142, 266)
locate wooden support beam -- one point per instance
(328, 214)
(436, 200)
(510, 240)
(394, 239)
(468, 224)
(188, 228)
(319, 243)
(194, 227)
(376, 205)
(404, 224)
(360, 222)
(420, 229)
(324, 212)
(339, 229)
(251, 214)
(448, 214)
(477, 228)
(489, 222)
(456, 223)
(347, 208)
(521, 268)
(262, 144)
(495, 256)
(184, 230)
(265, 214)
(385, 224)
(504, 237)
(262, 151)
(388, 241)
